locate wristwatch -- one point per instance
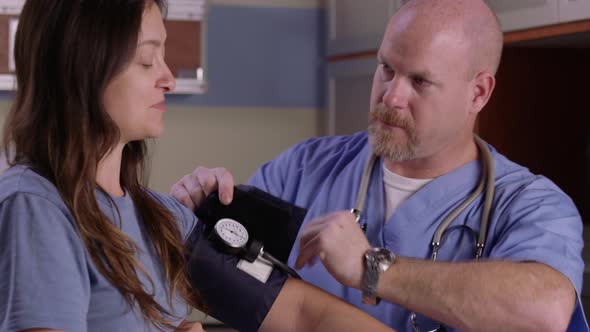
(377, 261)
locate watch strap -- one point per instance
(377, 261)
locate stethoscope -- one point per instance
(486, 182)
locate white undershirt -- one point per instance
(398, 189)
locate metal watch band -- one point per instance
(377, 261)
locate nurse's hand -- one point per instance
(340, 244)
(193, 188)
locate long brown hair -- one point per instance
(66, 53)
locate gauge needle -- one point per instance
(236, 234)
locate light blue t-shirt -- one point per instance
(532, 219)
(48, 279)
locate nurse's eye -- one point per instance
(420, 82)
(387, 72)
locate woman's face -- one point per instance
(134, 99)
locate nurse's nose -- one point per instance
(397, 93)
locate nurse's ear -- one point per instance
(481, 88)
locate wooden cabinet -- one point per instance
(354, 32)
(538, 116)
(355, 26)
(523, 14)
(526, 14)
(574, 10)
(186, 25)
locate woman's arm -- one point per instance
(276, 304)
(303, 307)
(188, 326)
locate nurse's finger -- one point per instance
(320, 234)
(194, 188)
(225, 184)
(324, 219)
(308, 251)
(338, 219)
(181, 195)
(212, 179)
(205, 179)
(183, 191)
(312, 228)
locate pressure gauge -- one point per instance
(231, 233)
(233, 239)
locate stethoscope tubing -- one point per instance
(487, 182)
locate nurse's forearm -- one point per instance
(482, 296)
(303, 307)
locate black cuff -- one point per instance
(231, 295)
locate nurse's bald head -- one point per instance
(469, 24)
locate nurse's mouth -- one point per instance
(389, 125)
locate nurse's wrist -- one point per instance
(390, 278)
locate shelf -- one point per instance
(353, 56)
(183, 85)
(572, 34)
(548, 32)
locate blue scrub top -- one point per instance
(532, 219)
(49, 279)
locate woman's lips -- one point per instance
(159, 106)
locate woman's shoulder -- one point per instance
(166, 200)
(23, 180)
(185, 217)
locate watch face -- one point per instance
(379, 258)
(231, 232)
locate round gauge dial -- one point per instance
(231, 232)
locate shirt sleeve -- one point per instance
(184, 216)
(269, 177)
(542, 224)
(45, 280)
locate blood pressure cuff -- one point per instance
(230, 294)
(268, 219)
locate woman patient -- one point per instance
(84, 245)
